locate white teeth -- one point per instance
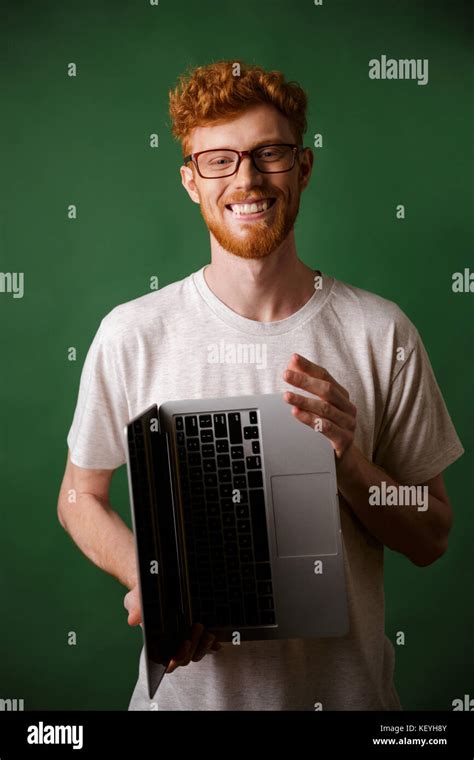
(249, 208)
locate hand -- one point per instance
(330, 406)
(132, 603)
(200, 644)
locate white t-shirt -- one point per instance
(157, 348)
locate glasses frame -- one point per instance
(193, 157)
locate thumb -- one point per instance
(132, 606)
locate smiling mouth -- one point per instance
(254, 209)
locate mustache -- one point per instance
(251, 198)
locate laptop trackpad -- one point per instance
(304, 518)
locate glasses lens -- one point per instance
(217, 163)
(274, 158)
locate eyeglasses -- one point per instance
(223, 162)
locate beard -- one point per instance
(261, 237)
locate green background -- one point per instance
(85, 140)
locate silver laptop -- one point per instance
(236, 519)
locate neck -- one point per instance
(267, 289)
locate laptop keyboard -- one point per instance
(221, 479)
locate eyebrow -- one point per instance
(259, 144)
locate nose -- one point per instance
(247, 175)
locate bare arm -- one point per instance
(85, 512)
(422, 536)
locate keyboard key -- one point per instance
(222, 447)
(255, 447)
(220, 426)
(195, 473)
(246, 555)
(232, 563)
(214, 524)
(225, 476)
(254, 463)
(208, 450)
(238, 467)
(178, 421)
(237, 452)
(207, 436)
(255, 478)
(235, 428)
(210, 480)
(208, 465)
(236, 613)
(250, 432)
(253, 417)
(242, 510)
(180, 439)
(193, 444)
(191, 425)
(240, 481)
(194, 459)
(212, 494)
(226, 490)
(266, 603)
(264, 588)
(223, 460)
(205, 420)
(263, 571)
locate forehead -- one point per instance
(256, 125)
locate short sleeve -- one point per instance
(96, 438)
(417, 439)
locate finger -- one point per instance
(134, 613)
(334, 433)
(196, 633)
(205, 645)
(302, 364)
(180, 657)
(322, 388)
(321, 408)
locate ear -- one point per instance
(188, 182)
(305, 167)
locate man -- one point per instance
(372, 393)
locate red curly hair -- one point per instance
(212, 93)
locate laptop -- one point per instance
(236, 520)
